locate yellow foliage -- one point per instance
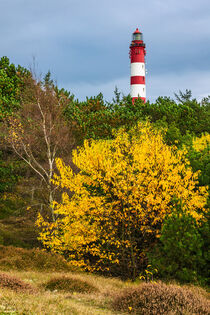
(199, 144)
(121, 195)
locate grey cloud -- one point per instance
(85, 43)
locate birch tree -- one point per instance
(39, 132)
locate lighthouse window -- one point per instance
(137, 36)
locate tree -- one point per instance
(9, 203)
(199, 156)
(38, 133)
(186, 119)
(119, 199)
(183, 97)
(91, 118)
(95, 118)
(11, 85)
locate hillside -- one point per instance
(92, 295)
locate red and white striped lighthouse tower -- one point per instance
(137, 54)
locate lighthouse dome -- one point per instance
(137, 35)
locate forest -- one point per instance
(113, 188)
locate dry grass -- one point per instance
(56, 302)
(69, 284)
(31, 259)
(45, 302)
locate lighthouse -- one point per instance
(137, 57)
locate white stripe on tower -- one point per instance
(138, 90)
(138, 68)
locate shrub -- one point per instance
(31, 259)
(15, 284)
(159, 298)
(70, 285)
(178, 254)
(204, 232)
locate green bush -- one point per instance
(204, 232)
(178, 255)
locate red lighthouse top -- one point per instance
(137, 35)
(137, 47)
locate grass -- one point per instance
(43, 301)
(60, 302)
(69, 284)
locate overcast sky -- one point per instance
(85, 43)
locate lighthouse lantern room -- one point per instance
(137, 57)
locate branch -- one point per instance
(28, 162)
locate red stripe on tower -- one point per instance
(137, 56)
(138, 80)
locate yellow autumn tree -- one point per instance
(119, 199)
